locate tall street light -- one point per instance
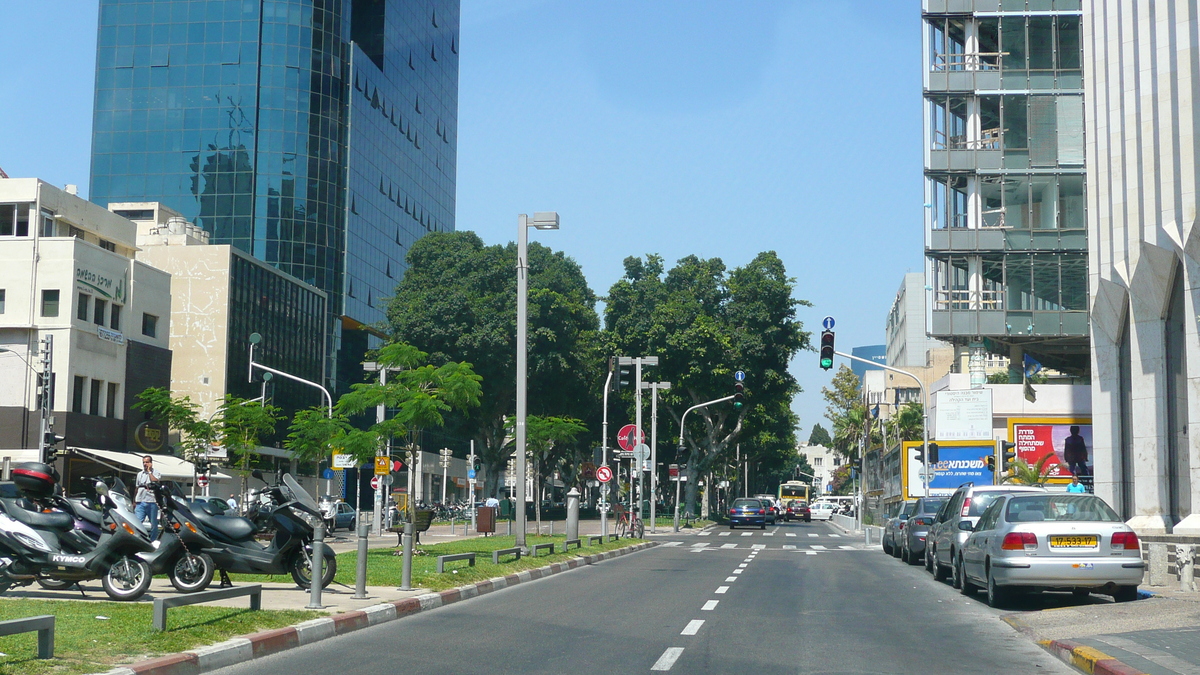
(542, 220)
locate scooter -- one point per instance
(178, 551)
(41, 546)
(294, 517)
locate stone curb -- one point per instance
(248, 647)
(1087, 659)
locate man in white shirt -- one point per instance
(146, 506)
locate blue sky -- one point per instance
(719, 129)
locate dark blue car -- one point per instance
(746, 511)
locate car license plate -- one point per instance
(1079, 541)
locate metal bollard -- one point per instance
(406, 573)
(317, 568)
(510, 525)
(360, 575)
(573, 514)
(451, 526)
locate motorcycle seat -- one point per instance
(232, 527)
(84, 513)
(56, 520)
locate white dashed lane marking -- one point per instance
(811, 552)
(737, 571)
(743, 566)
(728, 545)
(726, 534)
(730, 578)
(710, 605)
(813, 535)
(818, 547)
(791, 534)
(667, 659)
(789, 546)
(693, 627)
(721, 590)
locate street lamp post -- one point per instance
(45, 395)
(682, 447)
(654, 388)
(543, 220)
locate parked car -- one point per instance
(916, 529)
(1051, 541)
(822, 510)
(773, 510)
(955, 521)
(797, 509)
(345, 516)
(748, 511)
(895, 527)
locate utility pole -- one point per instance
(635, 470)
(603, 505)
(654, 388)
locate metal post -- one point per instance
(360, 576)
(572, 514)
(6, 471)
(654, 457)
(604, 459)
(522, 292)
(471, 489)
(317, 567)
(407, 541)
(678, 482)
(682, 447)
(635, 462)
(377, 507)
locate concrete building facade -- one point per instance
(1143, 138)
(907, 339)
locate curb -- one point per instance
(1088, 659)
(265, 643)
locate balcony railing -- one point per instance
(988, 300)
(973, 61)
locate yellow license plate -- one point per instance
(1084, 541)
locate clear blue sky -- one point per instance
(719, 129)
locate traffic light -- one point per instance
(1008, 454)
(50, 440)
(739, 396)
(990, 460)
(826, 349)
(625, 375)
(478, 465)
(933, 453)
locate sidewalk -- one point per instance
(1157, 635)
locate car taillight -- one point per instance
(761, 512)
(966, 507)
(1019, 541)
(1128, 540)
(733, 512)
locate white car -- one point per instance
(823, 510)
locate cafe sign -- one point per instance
(113, 288)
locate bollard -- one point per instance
(510, 526)
(573, 514)
(317, 567)
(1157, 573)
(1185, 566)
(406, 573)
(360, 575)
(451, 526)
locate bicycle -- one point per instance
(629, 524)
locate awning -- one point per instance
(16, 457)
(169, 466)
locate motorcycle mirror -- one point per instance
(101, 488)
(258, 474)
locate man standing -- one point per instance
(1075, 453)
(146, 506)
(1076, 486)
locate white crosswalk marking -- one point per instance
(704, 534)
(835, 536)
(738, 571)
(700, 544)
(724, 534)
(818, 547)
(810, 552)
(758, 547)
(693, 627)
(728, 545)
(667, 659)
(722, 589)
(768, 534)
(747, 534)
(846, 548)
(813, 535)
(791, 534)
(709, 605)
(787, 546)
(672, 543)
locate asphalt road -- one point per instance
(796, 598)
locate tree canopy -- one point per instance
(705, 322)
(819, 436)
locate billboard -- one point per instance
(958, 462)
(1070, 441)
(963, 415)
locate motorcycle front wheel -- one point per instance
(302, 570)
(127, 579)
(192, 572)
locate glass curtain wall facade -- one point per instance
(243, 115)
(1006, 229)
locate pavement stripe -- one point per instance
(730, 578)
(789, 546)
(728, 545)
(846, 548)
(811, 552)
(813, 535)
(768, 534)
(791, 534)
(737, 571)
(667, 659)
(818, 547)
(700, 545)
(747, 534)
(671, 543)
(721, 590)
(724, 534)
(758, 547)
(835, 536)
(709, 605)
(693, 627)
(743, 565)
(704, 534)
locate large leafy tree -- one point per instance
(457, 301)
(705, 322)
(819, 436)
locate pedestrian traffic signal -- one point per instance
(826, 349)
(1008, 454)
(478, 464)
(625, 375)
(933, 454)
(991, 463)
(739, 396)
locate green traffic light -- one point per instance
(826, 363)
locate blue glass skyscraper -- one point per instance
(317, 135)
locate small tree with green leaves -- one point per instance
(1038, 474)
(240, 424)
(181, 414)
(548, 440)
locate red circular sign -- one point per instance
(375, 480)
(202, 480)
(603, 474)
(629, 437)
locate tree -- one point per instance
(819, 436)
(1038, 474)
(548, 442)
(181, 414)
(908, 424)
(239, 425)
(704, 322)
(457, 301)
(842, 394)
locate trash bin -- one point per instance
(485, 520)
(506, 509)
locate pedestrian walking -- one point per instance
(232, 502)
(491, 502)
(1075, 485)
(146, 506)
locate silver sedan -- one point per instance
(1055, 541)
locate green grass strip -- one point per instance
(84, 642)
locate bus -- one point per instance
(793, 489)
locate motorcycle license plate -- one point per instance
(1074, 541)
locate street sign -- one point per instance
(397, 465)
(341, 461)
(603, 474)
(471, 474)
(327, 474)
(827, 323)
(375, 482)
(387, 480)
(630, 436)
(383, 465)
(621, 454)
(740, 376)
(587, 470)
(642, 452)
(202, 480)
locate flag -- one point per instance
(875, 411)
(1032, 366)
(1030, 394)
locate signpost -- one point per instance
(341, 461)
(202, 480)
(603, 474)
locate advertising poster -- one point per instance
(963, 415)
(1070, 443)
(957, 463)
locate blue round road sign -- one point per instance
(327, 474)
(740, 375)
(471, 474)
(827, 323)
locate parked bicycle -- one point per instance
(629, 524)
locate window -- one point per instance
(81, 312)
(77, 394)
(14, 220)
(50, 303)
(818, 461)
(110, 404)
(94, 399)
(115, 324)
(108, 245)
(98, 317)
(149, 325)
(1, 300)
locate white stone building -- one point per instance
(1143, 138)
(823, 461)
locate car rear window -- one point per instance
(1060, 508)
(931, 506)
(980, 501)
(752, 503)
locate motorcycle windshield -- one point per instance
(299, 494)
(123, 504)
